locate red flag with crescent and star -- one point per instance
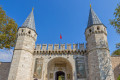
(60, 36)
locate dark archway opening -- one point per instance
(60, 75)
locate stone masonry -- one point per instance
(4, 70)
(89, 61)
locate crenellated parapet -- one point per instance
(60, 48)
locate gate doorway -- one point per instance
(59, 68)
(60, 75)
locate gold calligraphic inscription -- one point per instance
(60, 69)
(51, 75)
(46, 75)
(60, 65)
(68, 76)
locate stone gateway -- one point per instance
(89, 61)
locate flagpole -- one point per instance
(60, 40)
(59, 44)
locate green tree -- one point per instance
(118, 78)
(8, 30)
(117, 52)
(116, 21)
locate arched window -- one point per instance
(98, 28)
(90, 30)
(29, 32)
(22, 30)
(104, 29)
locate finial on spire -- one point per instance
(32, 8)
(90, 5)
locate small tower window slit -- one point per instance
(29, 32)
(98, 28)
(90, 30)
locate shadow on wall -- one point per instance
(4, 70)
(117, 71)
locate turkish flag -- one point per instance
(60, 36)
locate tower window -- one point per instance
(104, 29)
(98, 28)
(29, 32)
(22, 30)
(90, 30)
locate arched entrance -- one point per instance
(59, 67)
(60, 75)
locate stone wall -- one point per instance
(49, 60)
(46, 59)
(4, 70)
(116, 65)
(5, 66)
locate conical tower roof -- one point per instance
(93, 18)
(30, 22)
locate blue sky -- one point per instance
(68, 17)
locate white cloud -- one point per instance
(6, 55)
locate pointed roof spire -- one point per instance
(30, 22)
(93, 18)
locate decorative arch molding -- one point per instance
(59, 64)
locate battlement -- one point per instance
(59, 48)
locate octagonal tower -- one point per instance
(99, 62)
(23, 53)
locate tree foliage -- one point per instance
(118, 45)
(117, 52)
(116, 21)
(8, 31)
(118, 78)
